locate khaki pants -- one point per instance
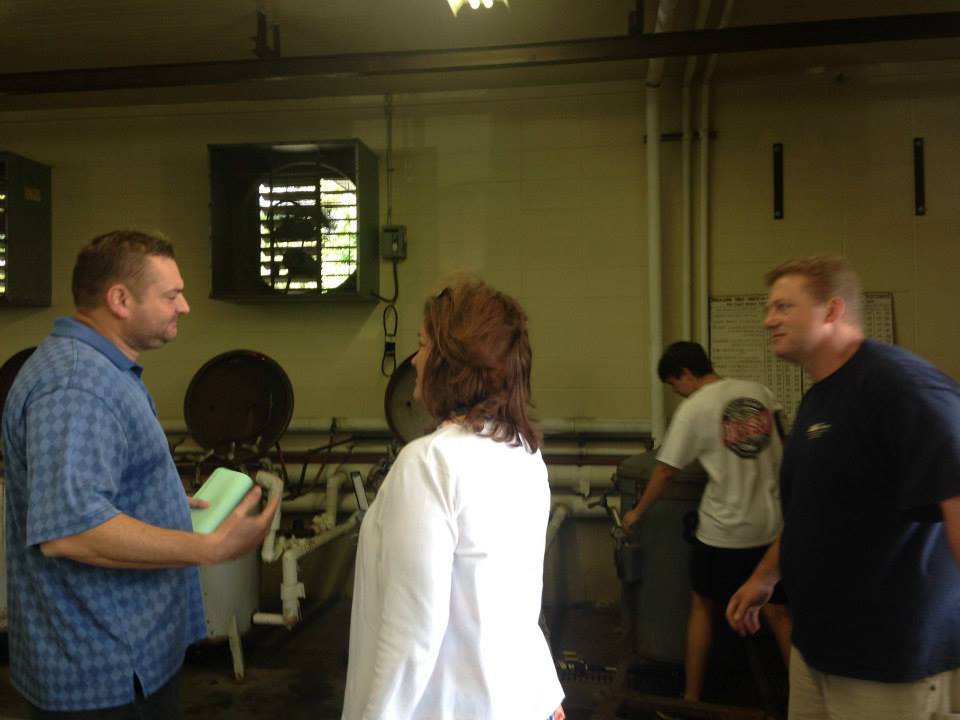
(817, 696)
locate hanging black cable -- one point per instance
(388, 362)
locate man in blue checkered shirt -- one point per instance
(104, 592)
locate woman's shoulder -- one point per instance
(445, 440)
(455, 445)
(438, 459)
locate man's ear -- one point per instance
(119, 299)
(836, 309)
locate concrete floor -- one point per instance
(290, 675)
(300, 674)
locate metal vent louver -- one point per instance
(308, 228)
(294, 222)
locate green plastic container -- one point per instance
(224, 490)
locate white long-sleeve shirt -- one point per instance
(448, 584)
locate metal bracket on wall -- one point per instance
(919, 191)
(262, 49)
(778, 181)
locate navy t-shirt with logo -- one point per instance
(873, 585)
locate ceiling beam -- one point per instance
(631, 47)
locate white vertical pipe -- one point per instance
(654, 261)
(269, 550)
(686, 168)
(703, 245)
(703, 236)
(292, 590)
(329, 517)
(686, 281)
(557, 516)
(654, 240)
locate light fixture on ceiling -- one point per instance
(455, 5)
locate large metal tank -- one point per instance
(655, 563)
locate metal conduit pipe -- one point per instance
(654, 265)
(703, 254)
(378, 426)
(588, 451)
(703, 246)
(654, 239)
(586, 426)
(686, 173)
(686, 232)
(567, 449)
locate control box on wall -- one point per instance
(293, 222)
(25, 232)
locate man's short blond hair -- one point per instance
(827, 276)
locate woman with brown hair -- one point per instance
(449, 568)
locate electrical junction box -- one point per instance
(393, 242)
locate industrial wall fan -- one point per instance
(294, 221)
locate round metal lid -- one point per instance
(407, 418)
(8, 372)
(239, 404)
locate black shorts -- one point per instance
(717, 573)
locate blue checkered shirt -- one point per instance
(82, 444)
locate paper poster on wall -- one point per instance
(740, 346)
(878, 317)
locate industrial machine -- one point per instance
(653, 566)
(237, 407)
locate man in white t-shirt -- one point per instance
(733, 428)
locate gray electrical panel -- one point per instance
(25, 232)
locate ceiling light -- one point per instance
(455, 5)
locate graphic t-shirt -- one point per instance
(729, 426)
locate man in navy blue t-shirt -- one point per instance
(870, 549)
